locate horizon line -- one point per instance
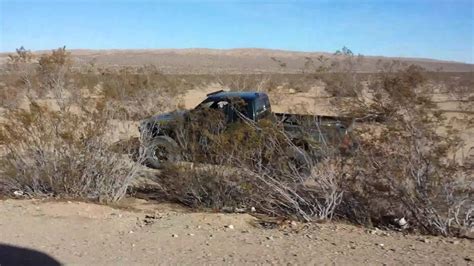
(2, 52)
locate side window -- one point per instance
(237, 106)
(261, 107)
(221, 105)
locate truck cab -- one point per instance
(238, 105)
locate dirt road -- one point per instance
(142, 232)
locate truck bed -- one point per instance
(302, 119)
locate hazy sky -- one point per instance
(440, 29)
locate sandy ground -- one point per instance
(142, 233)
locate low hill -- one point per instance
(210, 61)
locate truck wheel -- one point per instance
(301, 160)
(159, 151)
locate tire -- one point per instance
(301, 160)
(160, 151)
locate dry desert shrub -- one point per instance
(340, 74)
(250, 164)
(224, 187)
(398, 172)
(245, 82)
(66, 151)
(136, 92)
(403, 171)
(16, 77)
(62, 154)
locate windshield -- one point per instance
(225, 105)
(219, 104)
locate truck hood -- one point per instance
(165, 117)
(161, 119)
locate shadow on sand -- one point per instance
(12, 255)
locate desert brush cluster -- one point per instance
(57, 140)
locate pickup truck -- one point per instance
(159, 142)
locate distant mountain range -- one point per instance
(245, 60)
